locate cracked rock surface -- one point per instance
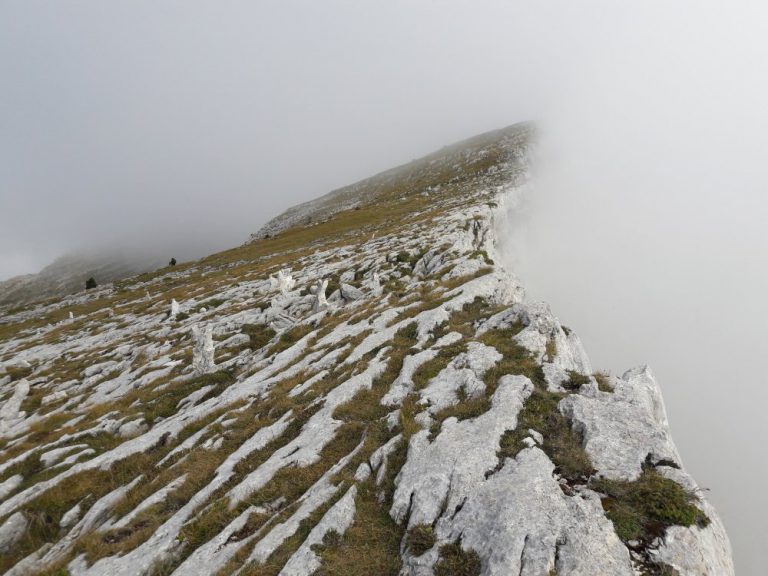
(359, 389)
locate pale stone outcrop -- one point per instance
(9, 485)
(376, 287)
(350, 293)
(97, 515)
(463, 375)
(202, 350)
(693, 550)
(319, 303)
(520, 522)
(625, 427)
(286, 414)
(11, 531)
(541, 328)
(338, 519)
(11, 413)
(441, 474)
(284, 282)
(71, 516)
(429, 263)
(133, 428)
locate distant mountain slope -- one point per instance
(371, 394)
(429, 174)
(68, 274)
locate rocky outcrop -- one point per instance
(202, 350)
(423, 419)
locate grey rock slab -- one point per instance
(464, 372)
(11, 531)
(350, 293)
(519, 521)
(163, 541)
(695, 551)
(202, 350)
(623, 427)
(440, 475)
(339, 518)
(9, 485)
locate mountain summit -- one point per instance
(360, 389)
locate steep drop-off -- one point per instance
(360, 389)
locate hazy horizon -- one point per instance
(181, 127)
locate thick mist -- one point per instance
(644, 228)
(177, 128)
(180, 127)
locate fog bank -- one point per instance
(644, 228)
(177, 128)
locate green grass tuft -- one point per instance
(455, 561)
(419, 539)
(644, 508)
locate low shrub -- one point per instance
(575, 381)
(455, 561)
(419, 539)
(259, 334)
(643, 509)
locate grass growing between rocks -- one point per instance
(419, 539)
(561, 443)
(166, 402)
(515, 360)
(390, 208)
(603, 381)
(358, 415)
(259, 335)
(455, 561)
(575, 381)
(372, 544)
(289, 338)
(46, 510)
(642, 510)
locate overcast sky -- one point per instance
(181, 127)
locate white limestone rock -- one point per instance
(375, 285)
(519, 521)
(11, 531)
(202, 350)
(429, 263)
(320, 302)
(403, 384)
(540, 328)
(339, 518)
(174, 309)
(71, 516)
(347, 276)
(9, 485)
(554, 376)
(465, 372)
(517, 514)
(235, 341)
(695, 551)
(50, 457)
(92, 519)
(54, 397)
(624, 427)
(10, 413)
(284, 282)
(133, 428)
(440, 475)
(350, 293)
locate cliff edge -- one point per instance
(360, 389)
